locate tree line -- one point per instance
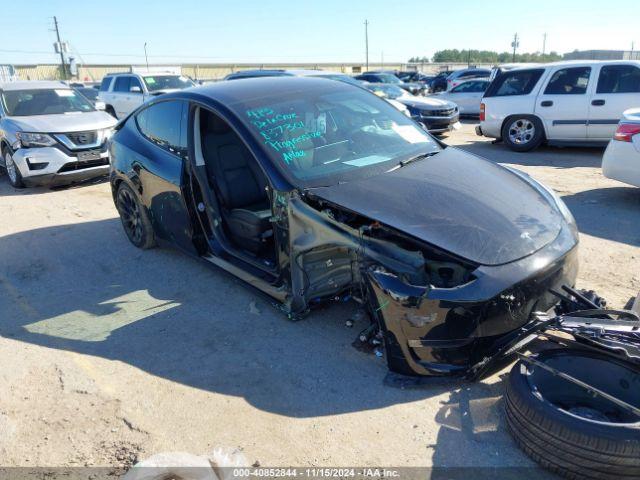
(486, 56)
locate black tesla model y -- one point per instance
(312, 190)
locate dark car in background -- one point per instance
(303, 188)
(385, 77)
(437, 115)
(90, 94)
(439, 82)
(416, 77)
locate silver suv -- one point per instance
(50, 134)
(122, 93)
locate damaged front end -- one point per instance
(436, 313)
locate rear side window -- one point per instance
(104, 86)
(470, 86)
(517, 82)
(569, 81)
(165, 124)
(122, 84)
(619, 79)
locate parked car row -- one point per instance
(562, 103)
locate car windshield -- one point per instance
(389, 91)
(89, 93)
(22, 103)
(166, 82)
(324, 136)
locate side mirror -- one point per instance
(135, 89)
(100, 105)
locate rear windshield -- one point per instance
(516, 82)
(44, 102)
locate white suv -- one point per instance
(560, 103)
(122, 93)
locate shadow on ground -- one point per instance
(473, 439)
(84, 288)
(544, 156)
(610, 213)
(7, 190)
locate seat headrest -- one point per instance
(213, 124)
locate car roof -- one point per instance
(576, 63)
(264, 72)
(142, 74)
(474, 79)
(313, 73)
(232, 92)
(33, 85)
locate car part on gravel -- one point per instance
(576, 409)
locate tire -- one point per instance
(13, 173)
(134, 217)
(578, 444)
(522, 133)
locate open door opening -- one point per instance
(240, 186)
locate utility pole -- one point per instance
(544, 44)
(366, 42)
(145, 56)
(469, 58)
(515, 44)
(382, 60)
(632, 45)
(62, 64)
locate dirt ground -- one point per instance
(109, 354)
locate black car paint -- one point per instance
(434, 331)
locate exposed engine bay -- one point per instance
(435, 313)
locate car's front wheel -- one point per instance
(522, 133)
(15, 178)
(134, 217)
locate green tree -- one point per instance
(487, 56)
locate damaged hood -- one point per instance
(458, 202)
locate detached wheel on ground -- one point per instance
(134, 217)
(522, 133)
(569, 431)
(15, 178)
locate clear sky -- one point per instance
(114, 31)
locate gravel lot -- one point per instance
(110, 354)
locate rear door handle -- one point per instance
(546, 103)
(598, 103)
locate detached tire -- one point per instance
(134, 217)
(564, 429)
(522, 133)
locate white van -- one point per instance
(559, 103)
